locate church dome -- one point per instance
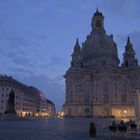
(99, 48)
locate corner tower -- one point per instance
(76, 56)
(129, 59)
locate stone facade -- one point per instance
(96, 83)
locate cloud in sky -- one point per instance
(37, 37)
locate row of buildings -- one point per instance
(96, 83)
(29, 101)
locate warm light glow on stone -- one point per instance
(36, 115)
(125, 111)
(23, 114)
(62, 114)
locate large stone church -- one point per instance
(96, 83)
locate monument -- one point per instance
(10, 113)
(11, 104)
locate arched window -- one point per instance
(105, 92)
(87, 97)
(124, 98)
(71, 64)
(69, 111)
(87, 110)
(124, 87)
(105, 87)
(81, 64)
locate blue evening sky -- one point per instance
(37, 37)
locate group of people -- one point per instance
(124, 126)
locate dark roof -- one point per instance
(49, 101)
(24, 87)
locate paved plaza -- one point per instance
(58, 129)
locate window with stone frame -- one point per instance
(87, 97)
(124, 98)
(105, 92)
(70, 100)
(124, 87)
(87, 110)
(87, 92)
(105, 87)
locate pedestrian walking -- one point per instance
(92, 130)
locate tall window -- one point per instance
(87, 110)
(98, 23)
(81, 64)
(69, 111)
(87, 93)
(105, 89)
(124, 87)
(124, 98)
(87, 98)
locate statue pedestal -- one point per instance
(10, 113)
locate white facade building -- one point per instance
(29, 101)
(96, 83)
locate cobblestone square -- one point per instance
(58, 129)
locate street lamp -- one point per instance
(125, 112)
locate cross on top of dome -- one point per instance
(97, 13)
